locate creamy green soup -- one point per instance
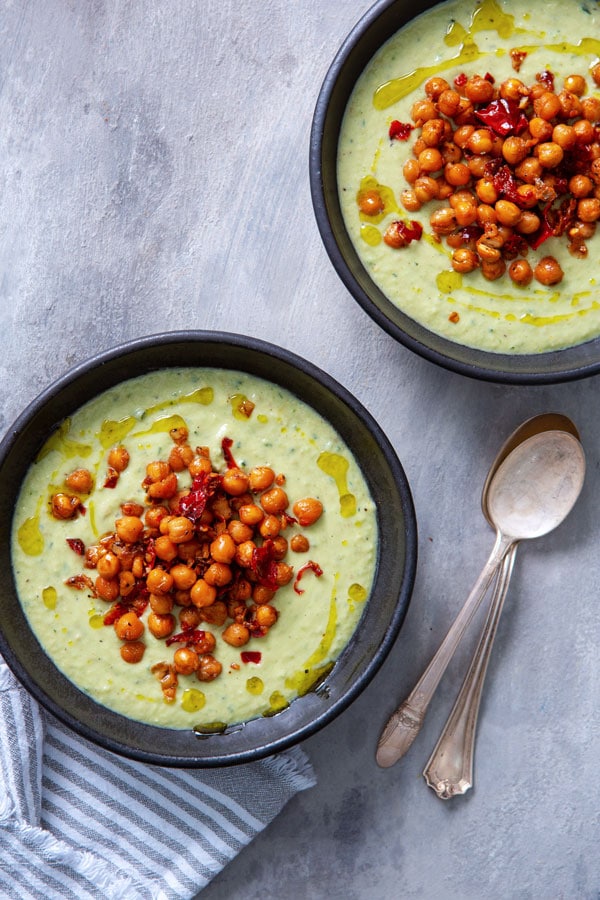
(461, 36)
(281, 432)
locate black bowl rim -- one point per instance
(257, 347)
(560, 365)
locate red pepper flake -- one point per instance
(77, 545)
(227, 444)
(80, 583)
(314, 567)
(453, 317)
(460, 80)
(251, 656)
(517, 58)
(193, 504)
(489, 77)
(504, 181)
(400, 131)
(264, 565)
(191, 636)
(112, 477)
(555, 221)
(546, 78)
(115, 613)
(504, 117)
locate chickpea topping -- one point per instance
(80, 480)
(236, 635)
(65, 506)
(520, 272)
(129, 627)
(464, 260)
(118, 458)
(169, 564)
(133, 651)
(548, 271)
(370, 202)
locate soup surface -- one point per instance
(463, 38)
(318, 609)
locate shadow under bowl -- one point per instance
(379, 24)
(384, 611)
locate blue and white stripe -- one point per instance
(80, 823)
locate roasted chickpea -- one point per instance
(65, 506)
(433, 132)
(154, 516)
(209, 668)
(161, 625)
(215, 614)
(580, 186)
(236, 635)
(595, 73)
(158, 581)
(547, 106)
(464, 260)
(435, 86)
(570, 105)
(118, 458)
(575, 84)
(564, 135)
(480, 142)
(457, 174)
(163, 489)
(283, 573)
(200, 465)
(584, 131)
(430, 160)
(80, 480)
(492, 270)
(240, 531)
(180, 457)
(218, 574)
(588, 210)
(370, 202)
(129, 528)
(449, 103)
(262, 594)
(411, 170)
(514, 150)
(274, 501)
(270, 526)
(443, 220)
(422, 111)
(109, 565)
(126, 583)
(410, 201)
(132, 652)
(161, 603)
(244, 554)
(189, 618)
(549, 154)
(529, 170)
(590, 109)
(548, 271)
(425, 188)
(235, 482)
(520, 272)
(223, 548)
(203, 593)
(486, 191)
(157, 470)
(462, 135)
(508, 213)
(129, 627)
(265, 615)
(165, 549)
(260, 478)
(106, 588)
(528, 223)
(479, 90)
(307, 510)
(513, 89)
(486, 215)
(185, 660)
(299, 543)
(540, 129)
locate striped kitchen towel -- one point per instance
(80, 823)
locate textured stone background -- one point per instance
(155, 177)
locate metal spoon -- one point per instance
(449, 770)
(530, 494)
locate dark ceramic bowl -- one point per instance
(382, 20)
(384, 612)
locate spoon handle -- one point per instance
(449, 770)
(404, 724)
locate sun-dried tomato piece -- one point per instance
(77, 545)
(309, 566)
(400, 131)
(504, 117)
(264, 565)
